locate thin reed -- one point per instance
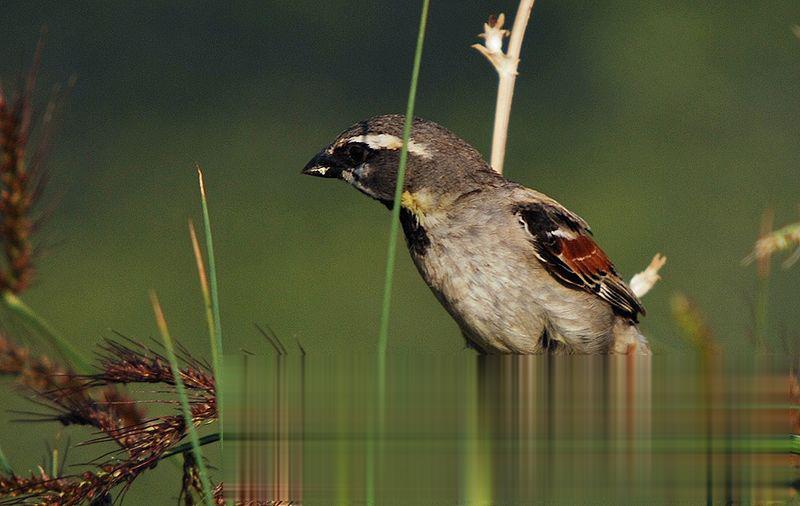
(764, 268)
(391, 253)
(394, 227)
(692, 324)
(211, 299)
(197, 452)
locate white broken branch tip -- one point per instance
(493, 33)
(492, 48)
(644, 281)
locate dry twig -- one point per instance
(506, 66)
(506, 63)
(644, 281)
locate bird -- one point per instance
(516, 270)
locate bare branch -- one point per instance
(506, 66)
(644, 281)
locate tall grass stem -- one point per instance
(184, 399)
(216, 333)
(505, 88)
(763, 271)
(203, 278)
(391, 254)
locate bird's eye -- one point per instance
(357, 153)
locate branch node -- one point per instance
(505, 63)
(644, 281)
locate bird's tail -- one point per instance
(629, 340)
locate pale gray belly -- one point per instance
(505, 302)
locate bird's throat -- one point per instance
(416, 235)
(425, 204)
(416, 203)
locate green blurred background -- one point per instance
(668, 126)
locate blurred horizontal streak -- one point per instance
(509, 430)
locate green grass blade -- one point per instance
(181, 390)
(204, 289)
(216, 335)
(36, 322)
(205, 440)
(5, 466)
(391, 255)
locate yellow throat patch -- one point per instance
(418, 203)
(424, 205)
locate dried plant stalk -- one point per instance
(506, 66)
(192, 486)
(506, 63)
(124, 364)
(183, 397)
(21, 181)
(117, 416)
(21, 185)
(773, 242)
(692, 323)
(644, 281)
(15, 196)
(68, 393)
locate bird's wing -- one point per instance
(563, 243)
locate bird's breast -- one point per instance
(420, 211)
(480, 277)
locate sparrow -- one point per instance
(517, 271)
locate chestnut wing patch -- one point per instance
(564, 245)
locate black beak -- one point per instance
(323, 165)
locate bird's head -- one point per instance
(367, 155)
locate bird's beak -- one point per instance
(323, 165)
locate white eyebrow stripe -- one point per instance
(387, 141)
